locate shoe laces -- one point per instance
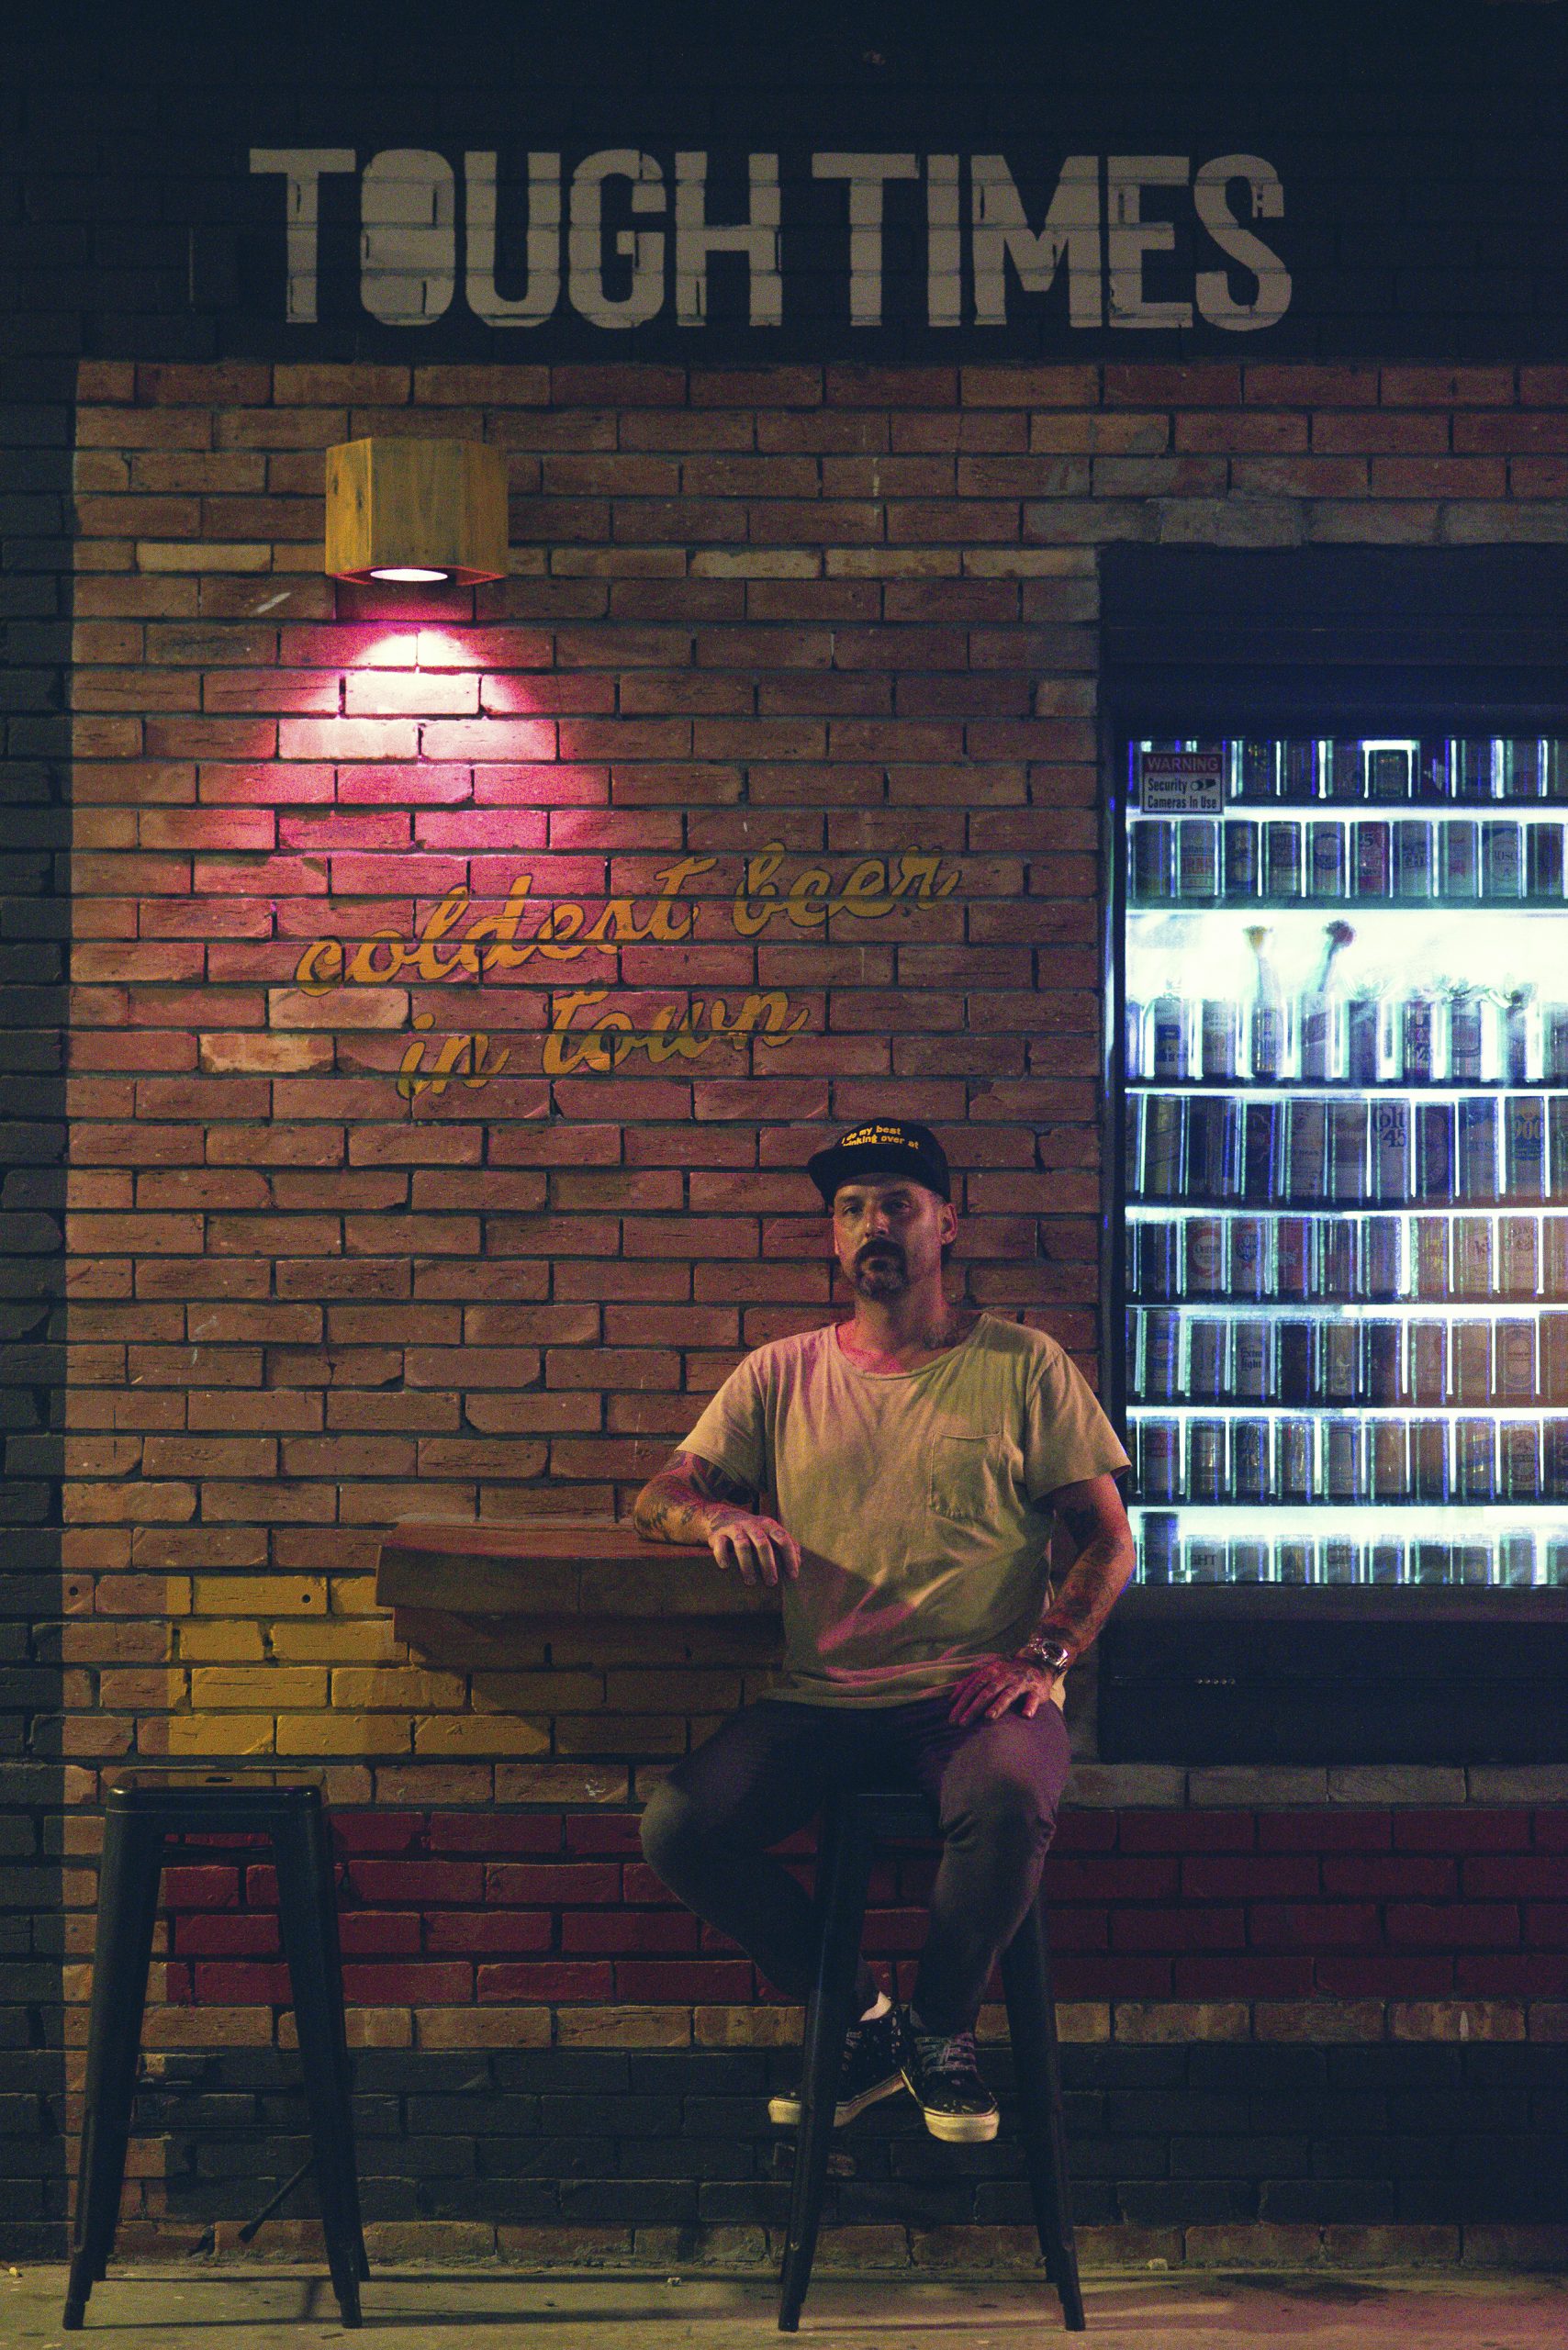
(951, 2053)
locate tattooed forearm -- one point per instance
(687, 1499)
(1095, 1521)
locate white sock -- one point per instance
(881, 2008)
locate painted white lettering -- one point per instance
(868, 176)
(1003, 234)
(302, 167)
(644, 248)
(757, 237)
(943, 255)
(543, 283)
(1129, 238)
(407, 253)
(1211, 194)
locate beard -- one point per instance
(880, 1270)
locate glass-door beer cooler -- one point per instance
(1341, 972)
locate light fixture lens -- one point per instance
(409, 575)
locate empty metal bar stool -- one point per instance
(853, 1825)
(142, 1810)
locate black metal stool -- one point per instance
(853, 1825)
(141, 1810)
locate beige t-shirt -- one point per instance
(917, 1498)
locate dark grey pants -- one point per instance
(707, 1830)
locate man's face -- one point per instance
(888, 1234)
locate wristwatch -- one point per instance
(1046, 1652)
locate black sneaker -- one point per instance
(944, 2079)
(872, 2070)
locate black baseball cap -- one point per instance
(886, 1146)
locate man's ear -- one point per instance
(948, 1222)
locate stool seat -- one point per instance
(855, 1821)
(145, 1812)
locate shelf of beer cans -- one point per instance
(1345, 1131)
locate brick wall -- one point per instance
(776, 637)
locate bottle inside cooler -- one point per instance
(1345, 1157)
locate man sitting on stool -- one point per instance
(917, 1455)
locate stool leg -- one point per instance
(128, 1910)
(844, 1869)
(306, 1945)
(1032, 2022)
(320, 1837)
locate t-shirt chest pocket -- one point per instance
(967, 1478)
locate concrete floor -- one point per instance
(466, 2309)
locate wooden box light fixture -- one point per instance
(421, 512)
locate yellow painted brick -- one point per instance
(1456, 2020)
(393, 1686)
(480, 1734)
(630, 1692)
(630, 1734)
(624, 2027)
(355, 1595)
(482, 2027)
(213, 1737)
(294, 1685)
(329, 1733)
(1173, 2019)
(541, 1692)
(207, 2027)
(182, 555)
(260, 1595)
(746, 2027)
(368, 2027)
(232, 1643)
(334, 1642)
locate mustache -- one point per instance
(879, 1248)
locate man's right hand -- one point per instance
(758, 1548)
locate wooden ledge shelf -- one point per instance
(555, 1569)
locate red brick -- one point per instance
(411, 1882)
(1462, 1829)
(539, 1885)
(1188, 1831)
(1190, 1927)
(547, 1979)
(1453, 1925)
(711, 1981)
(645, 1931)
(486, 1934)
(1317, 1925)
(1242, 1977)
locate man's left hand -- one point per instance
(994, 1688)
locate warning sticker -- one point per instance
(1181, 783)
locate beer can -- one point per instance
(1554, 1358)
(1338, 1362)
(1514, 1377)
(1158, 1260)
(1248, 1559)
(1348, 1151)
(1555, 1256)
(1459, 861)
(1299, 769)
(1384, 1359)
(1467, 1037)
(1429, 1235)
(1557, 1148)
(1474, 768)
(1334, 1259)
(1205, 1361)
(1381, 1256)
(1412, 860)
(1428, 1359)
(1240, 858)
(1214, 1148)
(1554, 1041)
(1281, 859)
(1518, 1460)
(1162, 1337)
(1249, 1464)
(1159, 1546)
(1477, 1146)
(1251, 1363)
(1308, 1124)
(1344, 1465)
(1170, 1051)
(1207, 1558)
(1375, 860)
(1430, 1459)
(1525, 767)
(1153, 860)
(1473, 1270)
(1502, 861)
(1294, 1354)
(1557, 1561)
(1554, 1460)
(1292, 1561)
(1249, 1257)
(1363, 1035)
(1164, 1133)
(1431, 1561)
(1519, 1564)
(1263, 1168)
(1543, 863)
(1389, 1473)
(1160, 1460)
(1433, 779)
(1294, 1465)
(1476, 1465)
(1517, 1038)
(1218, 1036)
(1338, 1560)
(1327, 860)
(1258, 770)
(1132, 1144)
(1293, 1269)
(1471, 1369)
(1197, 859)
(1386, 1561)
(1205, 1461)
(1388, 770)
(1434, 1150)
(1418, 1040)
(1518, 1255)
(1390, 1151)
